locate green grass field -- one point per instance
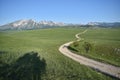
(104, 45)
(14, 44)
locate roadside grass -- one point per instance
(105, 45)
(14, 44)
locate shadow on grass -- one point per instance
(3, 52)
(27, 67)
(69, 47)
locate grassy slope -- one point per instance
(47, 42)
(104, 42)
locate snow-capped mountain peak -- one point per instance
(21, 22)
(30, 24)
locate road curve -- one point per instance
(99, 66)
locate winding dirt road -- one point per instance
(99, 66)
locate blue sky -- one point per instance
(68, 11)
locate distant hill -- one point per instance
(105, 24)
(31, 24)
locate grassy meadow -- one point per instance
(15, 46)
(103, 44)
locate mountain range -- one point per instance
(31, 24)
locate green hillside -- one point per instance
(104, 45)
(15, 46)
